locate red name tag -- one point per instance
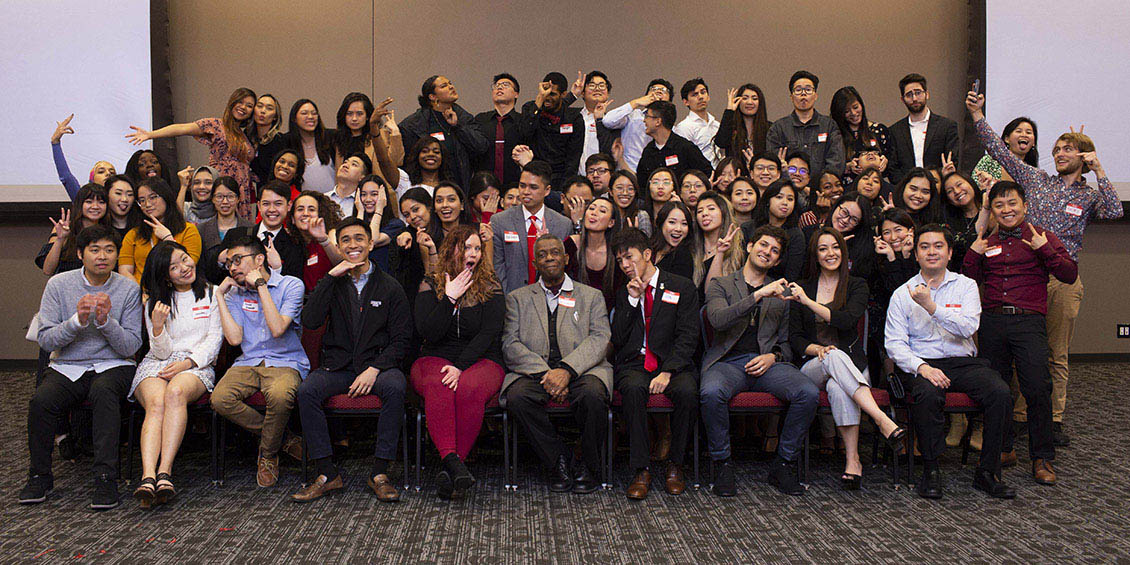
(312, 260)
(439, 135)
(250, 305)
(566, 128)
(670, 297)
(200, 312)
(1074, 210)
(822, 137)
(672, 160)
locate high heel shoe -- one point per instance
(895, 439)
(851, 481)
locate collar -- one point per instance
(566, 286)
(263, 229)
(693, 117)
(92, 285)
(364, 275)
(918, 279)
(540, 215)
(924, 119)
(653, 282)
(811, 121)
(338, 199)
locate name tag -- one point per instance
(566, 128)
(1074, 210)
(821, 137)
(200, 312)
(993, 251)
(672, 160)
(953, 305)
(510, 237)
(566, 302)
(313, 260)
(592, 127)
(670, 297)
(439, 135)
(375, 303)
(250, 305)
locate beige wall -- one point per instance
(303, 49)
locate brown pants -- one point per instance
(279, 386)
(1063, 308)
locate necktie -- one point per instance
(267, 238)
(531, 236)
(499, 148)
(650, 361)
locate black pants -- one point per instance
(683, 392)
(321, 384)
(57, 394)
(975, 377)
(588, 398)
(1022, 340)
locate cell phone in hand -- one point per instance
(977, 86)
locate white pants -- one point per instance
(838, 375)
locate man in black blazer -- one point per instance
(274, 201)
(501, 128)
(369, 329)
(666, 148)
(922, 139)
(654, 335)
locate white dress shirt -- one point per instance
(592, 144)
(552, 297)
(700, 132)
(913, 334)
(918, 137)
(540, 215)
(630, 123)
(346, 203)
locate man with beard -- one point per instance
(500, 128)
(440, 117)
(805, 129)
(922, 138)
(554, 131)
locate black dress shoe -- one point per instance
(724, 484)
(1059, 435)
(585, 481)
(561, 477)
(782, 474)
(992, 485)
(930, 485)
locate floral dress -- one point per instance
(224, 160)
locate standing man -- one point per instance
(354, 168)
(667, 149)
(518, 227)
(500, 127)
(593, 89)
(699, 127)
(1014, 265)
(929, 335)
(370, 325)
(1063, 204)
(805, 129)
(654, 336)
(628, 118)
(259, 308)
(922, 138)
(599, 168)
(440, 117)
(90, 321)
(751, 352)
(554, 342)
(555, 131)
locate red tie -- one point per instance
(650, 362)
(531, 236)
(499, 147)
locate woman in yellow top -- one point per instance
(163, 221)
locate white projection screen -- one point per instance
(64, 56)
(1063, 65)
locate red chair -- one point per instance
(660, 404)
(202, 405)
(492, 409)
(510, 436)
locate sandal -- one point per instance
(851, 481)
(145, 492)
(895, 440)
(165, 490)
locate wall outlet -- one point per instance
(1124, 330)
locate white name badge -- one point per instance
(993, 251)
(250, 305)
(822, 137)
(953, 305)
(375, 303)
(566, 302)
(510, 236)
(672, 160)
(566, 128)
(439, 135)
(312, 260)
(200, 312)
(1074, 210)
(670, 297)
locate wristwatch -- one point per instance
(259, 283)
(777, 357)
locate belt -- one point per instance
(1011, 311)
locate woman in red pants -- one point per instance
(459, 313)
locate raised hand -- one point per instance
(159, 316)
(747, 154)
(254, 277)
(522, 154)
(887, 203)
(102, 306)
(920, 294)
(62, 128)
(62, 227)
(159, 230)
(85, 308)
(854, 166)
(578, 86)
(139, 135)
(986, 182)
(490, 203)
(274, 260)
(1091, 160)
(424, 239)
(1072, 128)
(451, 117)
(884, 249)
(486, 233)
(404, 240)
(724, 243)
(576, 206)
(617, 150)
(732, 99)
(317, 229)
(947, 164)
(341, 268)
(775, 288)
(451, 376)
(975, 103)
(454, 288)
(1038, 240)
(798, 293)
(381, 111)
(601, 108)
(227, 284)
(543, 91)
(185, 175)
(882, 163)
(636, 287)
(781, 152)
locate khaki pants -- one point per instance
(1063, 308)
(279, 386)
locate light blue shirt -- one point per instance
(259, 346)
(630, 123)
(912, 334)
(360, 282)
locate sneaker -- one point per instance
(1059, 435)
(782, 474)
(36, 489)
(105, 493)
(724, 483)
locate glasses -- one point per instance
(764, 168)
(235, 259)
(623, 189)
(798, 170)
(802, 90)
(597, 86)
(148, 199)
(915, 94)
(695, 185)
(224, 197)
(599, 171)
(843, 214)
(661, 182)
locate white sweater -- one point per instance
(195, 329)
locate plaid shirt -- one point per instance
(1052, 205)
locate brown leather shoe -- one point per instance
(675, 484)
(268, 473)
(1008, 459)
(383, 488)
(293, 447)
(317, 489)
(640, 485)
(1043, 472)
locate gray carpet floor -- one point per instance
(1083, 519)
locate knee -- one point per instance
(102, 393)
(926, 393)
(391, 387)
(591, 396)
(280, 397)
(308, 394)
(519, 398)
(806, 394)
(683, 391)
(174, 397)
(41, 403)
(634, 390)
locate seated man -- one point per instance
(370, 326)
(750, 352)
(554, 342)
(90, 321)
(258, 307)
(929, 335)
(655, 333)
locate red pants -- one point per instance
(455, 416)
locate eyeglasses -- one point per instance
(843, 214)
(764, 168)
(599, 171)
(661, 182)
(623, 189)
(797, 170)
(915, 94)
(148, 199)
(224, 197)
(802, 90)
(235, 259)
(597, 85)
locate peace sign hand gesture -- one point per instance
(947, 164)
(725, 243)
(160, 232)
(63, 226)
(62, 128)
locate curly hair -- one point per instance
(484, 284)
(328, 211)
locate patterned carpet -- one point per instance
(1084, 519)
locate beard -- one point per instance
(915, 107)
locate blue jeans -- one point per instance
(726, 378)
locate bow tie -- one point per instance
(1016, 232)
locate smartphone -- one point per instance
(977, 86)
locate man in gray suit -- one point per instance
(516, 228)
(750, 352)
(555, 344)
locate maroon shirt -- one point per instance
(1014, 274)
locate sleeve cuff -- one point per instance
(564, 365)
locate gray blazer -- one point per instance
(728, 307)
(510, 258)
(583, 334)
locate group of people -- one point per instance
(556, 256)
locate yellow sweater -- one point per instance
(135, 250)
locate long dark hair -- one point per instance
(321, 141)
(328, 211)
(412, 160)
(464, 218)
(252, 131)
(389, 213)
(610, 258)
(760, 214)
(633, 209)
(1033, 156)
(89, 191)
(173, 219)
(760, 125)
(658, 242)
(299, 171)
(155, 278)
(133, 216)
(345, 143)
(134, 162)
(478, 184)
(863, 228)
(841, 100)
(420, 194)
(951, 210)
(932, 213)
(812, 270)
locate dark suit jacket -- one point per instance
(802, 326)
(687, 156)
(941, 138)
(372, 329)
(674, 327)
(558, 139)
(290, 251)
(729, 306)
(487, 123)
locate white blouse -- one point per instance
(194, 329)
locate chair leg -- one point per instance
(608, 455)
(404, 443)
(802, 469)
(305, 464)
(910, 457)
(514, 457)
(130, 444)
(505, 452)
(419, 447)
(965, 443)
(215, 456)
(697, 484)
(223, 426)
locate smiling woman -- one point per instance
(162, 221)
